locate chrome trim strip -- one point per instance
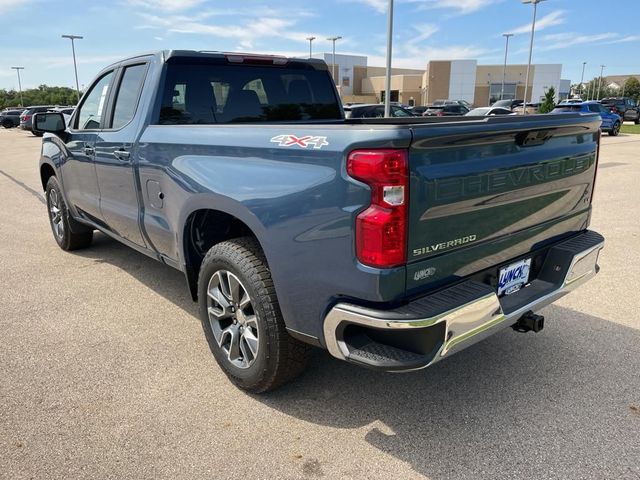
(469, 323)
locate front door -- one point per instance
(115, 157)
(78, 170)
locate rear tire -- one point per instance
(7, 123)
(241, 318)
(37, 134)
(67, 232)
(615, 130)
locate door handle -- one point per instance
(89, 151)
(122, 154)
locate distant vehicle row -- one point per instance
(23, 117)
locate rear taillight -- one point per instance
(381, 229)
(440, 114)
(26, 118)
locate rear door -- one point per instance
(485, 191)
(114, 156)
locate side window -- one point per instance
(594, 108)
(128, 93)
(90, 114)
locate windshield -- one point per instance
(478, 112)
(567, 108)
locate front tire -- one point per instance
(7, 123)
(241, 318)
(68, 233)
(615, 130)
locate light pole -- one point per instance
(387, 88)
(584, 64)
(75, 67)
(533, 29)
(504, 69)
(600, 80)
(17, 69)
(311, 39)
(333, 61)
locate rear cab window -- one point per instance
(205, 93)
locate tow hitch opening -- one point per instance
(529, 322)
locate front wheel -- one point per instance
(7, 123)
(241, 318)
(615, 130)
(68, 233)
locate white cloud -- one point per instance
(554, 18)
(380, 6)
(461, 6)
(6, 5)
(165, 5)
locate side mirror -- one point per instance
(52, 122)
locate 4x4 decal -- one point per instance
(302, 142)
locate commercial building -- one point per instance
(445, 79)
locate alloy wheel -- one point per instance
(233, 319)
(55, 213)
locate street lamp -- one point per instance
(584, 64)
(75, 67)
(533, 29)
(504, 69)
(387, 88)
(311, 39)
(17, 69)
(333, 67)
(600, 81)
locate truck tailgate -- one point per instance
(488, 191)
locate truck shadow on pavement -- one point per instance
(564, 403)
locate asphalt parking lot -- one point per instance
(105, 372)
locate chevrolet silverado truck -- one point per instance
(391, 243)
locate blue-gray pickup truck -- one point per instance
(391, 243)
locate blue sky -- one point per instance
(568, 32)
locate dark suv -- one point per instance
(625, 107)
(27, 116)
(10, 118)
(445, 110)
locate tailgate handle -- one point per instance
(533, 137)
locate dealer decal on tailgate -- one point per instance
(305, 141)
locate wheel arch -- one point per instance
(46, 172)
(204, 227)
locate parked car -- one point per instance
(10, 118)
(63, 110)
(418, 110)
(626, 107)
(445, 110)
(27, 116)
(488, 111)
(374, 110)
(464, 103)
(532, 108)
(611, 122)
(510, 104)
(390, 244)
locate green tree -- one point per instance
(43, 95)
(549, 101)
(632, 88)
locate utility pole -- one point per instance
(333, 67)
(533, 29)
(75, 67)
(311, 39)
(387, 88)
(504, 69)
(600, 80)
(584, 64)
(17, 69)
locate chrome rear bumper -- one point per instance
(433, 327)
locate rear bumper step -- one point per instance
(433, 327)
